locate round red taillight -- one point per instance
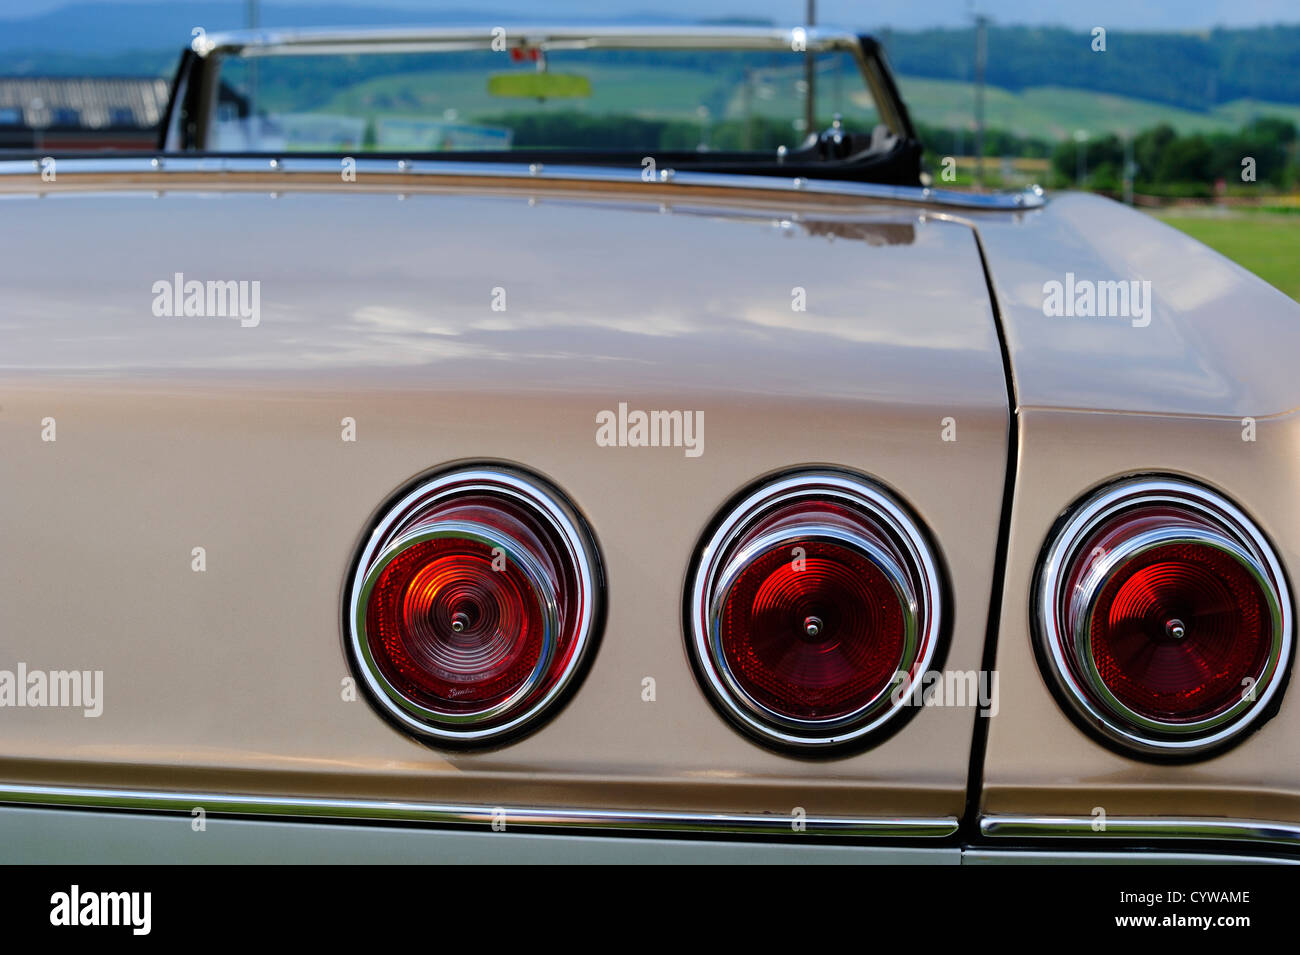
(811, 600)
(1164, 615)
(813, 642)
(449, 630)
(473, 604)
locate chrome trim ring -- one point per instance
(1063, 621)
(402, 526)
(541, 589)
(912, 570)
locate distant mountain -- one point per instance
(110, 28)
(114, 39)
(898, 14)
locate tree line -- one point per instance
(1194, 71)
(1165, 162)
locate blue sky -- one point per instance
(901, 14)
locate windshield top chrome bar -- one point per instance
(460, 39)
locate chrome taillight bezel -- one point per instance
(404, 523)
(1062, 621)
(909, 562)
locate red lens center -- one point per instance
(813, 636)
(449, 630)
(1180, 631)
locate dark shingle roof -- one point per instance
(82, 102)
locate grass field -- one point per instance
(1268, 245)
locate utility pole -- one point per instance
(981, 58)
(253, 18)
(747, 97)
(809, 68)
(1130, 168)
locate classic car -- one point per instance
(458, 486)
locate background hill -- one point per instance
(1044, 82)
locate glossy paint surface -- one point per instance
(175, 433)
(1214, 340)
(183, 432)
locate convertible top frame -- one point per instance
(195, 87)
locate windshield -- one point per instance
(648, 100)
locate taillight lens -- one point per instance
(809, 600)
(1164, 615)
(450, 631)
(473, 604)
(816, 642)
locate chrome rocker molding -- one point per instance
(446, 814)
(1234, 534)
(720, 563)
(391, 536)
(168, 165)
(1112, 856)
(1188, 829)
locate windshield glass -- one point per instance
(524, 98)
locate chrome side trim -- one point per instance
(165, 166)
(1210, 828)
(46, 835)
(446, 814)
(1113, 856)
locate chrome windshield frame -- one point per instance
(200, 67)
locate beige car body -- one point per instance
(228, 689)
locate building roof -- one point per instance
(82, 102)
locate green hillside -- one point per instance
(674, 93)
(1042, 112)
